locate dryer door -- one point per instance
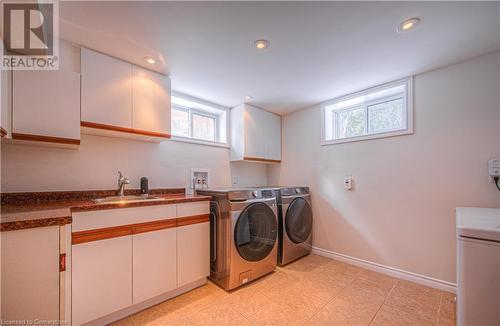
(255, 232)
(298, 220)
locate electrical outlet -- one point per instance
(494, 168)
(348, 182)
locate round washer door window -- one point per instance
(298, 220)
(255, 232)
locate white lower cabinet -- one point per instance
(30, 274)
(193, 251)
(124, 257)
(154, 263)
(102, 278)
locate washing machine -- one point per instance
(244, 235)
(295, 223)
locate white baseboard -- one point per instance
(391, 271)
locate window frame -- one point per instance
(220, 121)
(407, 96)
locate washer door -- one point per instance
(298, 220)
(255, 232)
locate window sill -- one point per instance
(199, 142)
(366, 137)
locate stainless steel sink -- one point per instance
(124, 199)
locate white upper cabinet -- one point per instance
(123, 100)
(255, 135)
(106, 90)
(5, 102)
(46, 106)
(150, 102)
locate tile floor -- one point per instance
(312, 291)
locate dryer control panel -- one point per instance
(294, 191)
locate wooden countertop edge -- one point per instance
(62, 220)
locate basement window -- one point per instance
(378, 112)
(197, 121)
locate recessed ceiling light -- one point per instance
(408, 24)
(248, 97)
(261, 44)
(150, 60)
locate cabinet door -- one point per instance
(154, 266)
(106, 90)
(151, 102)
(46, 103)
(255, 136)
(193, 251)
(101, 278)
(30, 274)
(273, 136)
(5, 102)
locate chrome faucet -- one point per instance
(122, 181)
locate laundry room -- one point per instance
(250, 163)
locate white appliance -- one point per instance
(478, 266)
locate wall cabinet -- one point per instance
(5, 103)
(122, 100)
(125, 258)
(31, 275)
(46, 106)
(106, 90)
(255, 135)
(151, 102)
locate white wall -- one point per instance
(401, 211)
(95, 164)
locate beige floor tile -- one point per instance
(313, 290)
(276, 313)
(152, 317)
(247, 301)
(196, 300)
(297, 296)
(447, 310)
(357, 304)
(307, 264)
(373, 290)
(321, 286)
(411, 299)
(387, 317)
(218, 314)
(369, 275)
(277, 279)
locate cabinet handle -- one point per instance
(62, 262)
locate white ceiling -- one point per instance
(319, 50)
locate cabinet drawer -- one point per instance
(83, 221)
(192, 209)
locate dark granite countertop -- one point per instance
(30, 210)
